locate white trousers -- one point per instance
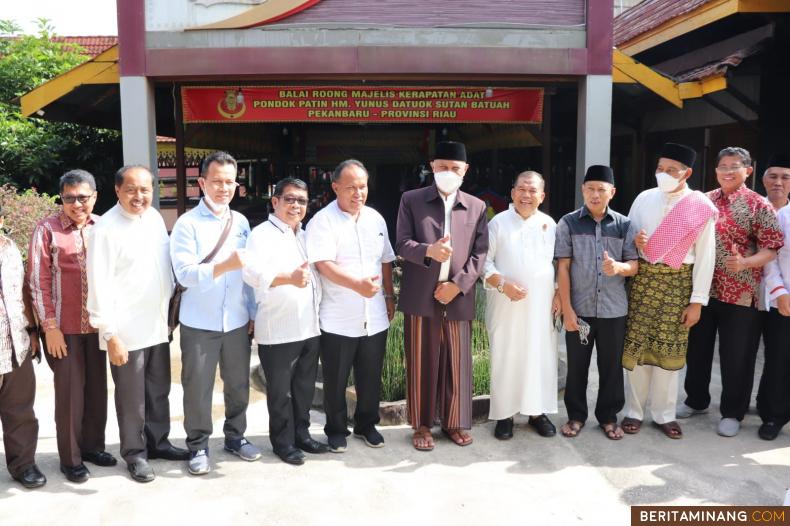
(659, 384)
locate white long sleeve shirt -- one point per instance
(776, 273)
(649, 210)
(129, 278)
(285, 313)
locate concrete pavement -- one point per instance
(588, 479)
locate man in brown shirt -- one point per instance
(442, 235)
(59, 289)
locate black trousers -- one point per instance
(338, 355)
(290, 370)
(739, 336)
(773, 395)
(607, 334)
(142, 389)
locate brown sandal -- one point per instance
(422, 440)
(670, 429)
(459, 436)
(571, 428)
(610, 430)
(631, 425)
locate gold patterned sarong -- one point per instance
(653, 333)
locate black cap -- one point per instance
(679, 152)
(779, 159)
(451, 151)
(599, 172)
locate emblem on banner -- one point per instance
(231, 106)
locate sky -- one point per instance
(70, 18)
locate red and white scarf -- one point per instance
(679, 230)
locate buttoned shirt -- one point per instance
(129, 278)
(448, 202)
(57, 274)
(776, 273)
(747, 220)
(583, 239)
(359, 246)
(219, 304)
(14, 340)
(649, 210)
(286, 313)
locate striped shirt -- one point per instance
(57, 276)
(14, 340)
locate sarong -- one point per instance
(653, 333)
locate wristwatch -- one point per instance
(501, 286)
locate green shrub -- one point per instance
(393, 376)
(22, 211)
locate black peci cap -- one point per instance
(599, 172)
(451, 151)
(679, 152)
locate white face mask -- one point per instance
(666, 183)
(214, 207)
(448, 182)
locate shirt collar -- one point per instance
(462, 198)
(345, 214)
(281, 225)
(584, 212)
(127, 215)
(204, 210)
(66, 222)
(719, 194)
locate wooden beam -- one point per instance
(693, 90)
(662, 86)
(618, 77)
(680, 25)
(763, 6)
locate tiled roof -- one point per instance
(648, 15)
(93, 45)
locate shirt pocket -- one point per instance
(614, 246)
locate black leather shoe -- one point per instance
(78, 474)
(313, 446)
(141, 471)
(170, 453)
(31, 478)
(100, 458)
(293, 456)
(543, 426)
(504, 429)
(769, 430)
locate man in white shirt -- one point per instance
(773, 395)
(216, 309)
(129, 287)
(286, 325)
(349, 245)
(677, 248)
(520, 304)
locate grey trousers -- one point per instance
(19, 423)
(142, 387)
(201, 351)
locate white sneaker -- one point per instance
(684, 411)
(198, 463)
(728, 427)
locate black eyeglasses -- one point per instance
(71, 199)
(290, 199)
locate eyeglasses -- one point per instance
(71, 199)
(291, 199)
(729, 169)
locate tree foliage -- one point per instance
(35, 152)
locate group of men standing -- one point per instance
(104, 284)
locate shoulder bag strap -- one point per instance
(222, 239)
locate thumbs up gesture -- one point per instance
(300, 277)
(368, 287)
(610, 267)
(441, 250)
(735, 262)
(641, 239)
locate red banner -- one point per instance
(222, 104)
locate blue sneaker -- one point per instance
(243, 449)
(198, 462)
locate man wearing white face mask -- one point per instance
(677, 249)
(442, 235)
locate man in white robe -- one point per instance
(520, 304)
